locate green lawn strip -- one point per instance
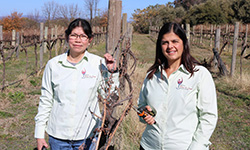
(232, 131)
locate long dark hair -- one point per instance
(187, 60)
(79, 23)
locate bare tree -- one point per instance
(69, 12)
(91, 6)
(32, 19)
(64, 11)
(50, 10)
(96, 4)
(74, 12)
(35, 15)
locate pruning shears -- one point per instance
(143, 112)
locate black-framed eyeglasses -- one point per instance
(81, 36)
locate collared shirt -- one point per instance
(68, 96)
(186, 110)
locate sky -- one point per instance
(29, 6)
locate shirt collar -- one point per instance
(181, 69)
(63, 59)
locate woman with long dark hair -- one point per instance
(182, 94)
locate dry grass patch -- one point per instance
(242, 83)
(130, 131)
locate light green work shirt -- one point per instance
(69, 95)
(186, 110)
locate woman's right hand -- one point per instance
(41, 143)
(149, 119)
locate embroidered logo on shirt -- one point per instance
(85, 75)
(182, 86)
(180, 81)
(83, 72)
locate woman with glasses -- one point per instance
(68, 103)
(181, 93)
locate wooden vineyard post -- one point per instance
(201, 34)
(216, 45)
(45, 38)
(114, 25)
(41, 45)
(124, 29)
(17, 44)
(193, 35)
(211, 34)
(227, 35)
(1, 36)
(130, 33)
(221, 65)
(2, 57)
(234, 51)
(4, 68)
(124, 33)
(217, 39)
(52, 36)
(21, 37)
(229, 31)
(13, 38)
(56, 44)
(246, 34)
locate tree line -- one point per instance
(193, 12)
(53, 13)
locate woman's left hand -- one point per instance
(110, 62)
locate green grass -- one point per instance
(5, 114)
(233, 127)
(19, 66)
(232, 131)
(19, 102)
(16, 97)
(99, 49)
(144, 48)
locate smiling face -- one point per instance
(172, 47)
(78, 41)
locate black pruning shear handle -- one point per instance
(143, 112)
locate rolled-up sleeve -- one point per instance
(207, 112)
(45, 103)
